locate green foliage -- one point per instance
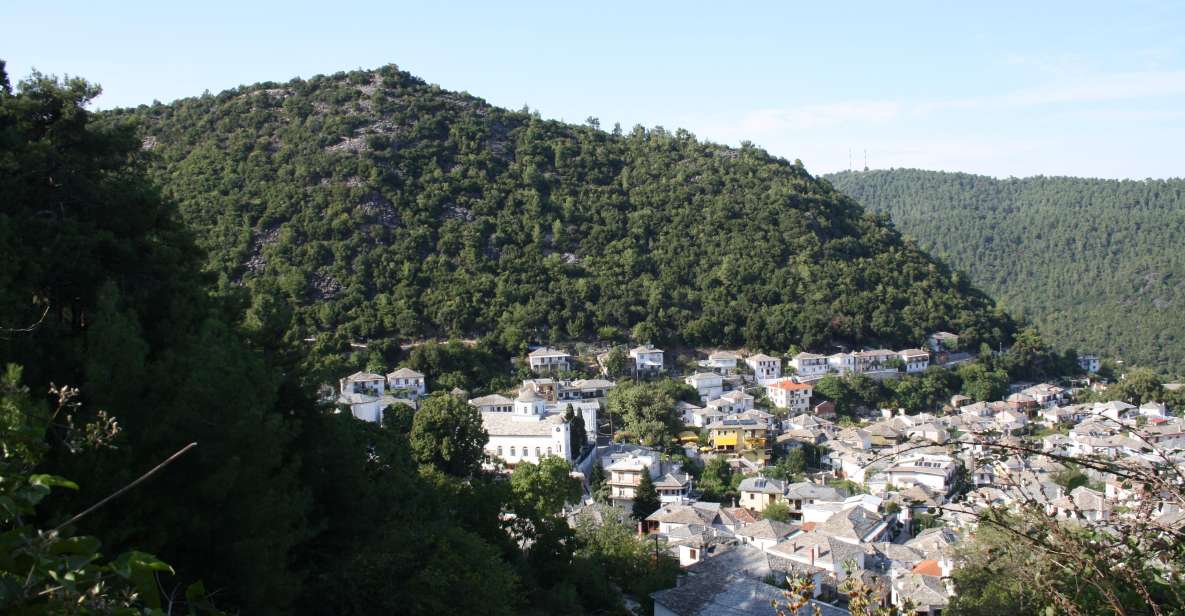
(448, 434)
(1077, 256)
(645, 497)
(597, 485)
(789, 467)
(386, 208)
(983, 384)
(617, 362)
(541, 490)
(578, 437)
(776, 511)
(476, 369)
(647, 409)
(613, 550)
(716, 480)
(53, 571)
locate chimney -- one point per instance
(813, 550)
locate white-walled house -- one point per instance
(809, 366)
(942, 341)
(787, 394)
(724, 362)
(407, 380)
(915, 360)
(843, 363)
(647, 359)
(547, 359)
(764, 367)
(934, 471)
(709, 385)
(366, 383)
(874, 360)
(739, 400)
(1089, 363)
(528, 433)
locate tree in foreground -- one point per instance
(447, 433)
(645, 496)
(776, 511)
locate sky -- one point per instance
(1005, 89)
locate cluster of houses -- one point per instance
(890, 501)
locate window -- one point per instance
(752, 496)
(538, 452)
(694, 553)
(499, 451)
(549, 451)
(512, 451)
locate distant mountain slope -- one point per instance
(387, 208)
(1098, 264)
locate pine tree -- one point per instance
(645, 496)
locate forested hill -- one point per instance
(1097, 264)
(387, 208)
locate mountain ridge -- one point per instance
(383, 207)
(1079, 256)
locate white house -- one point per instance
(764, 367)
(786, 394)
(1089, 363)
(765, 534)
(528, 433)
(808, 366)
(934, 471)
(842, 363)
(363, 383)
(546, 359)
(874, 360)
(647, 359)
(407, 380)
(915, 360)
(709, 385)
(723, 362)
(739, 400)
(492, 404)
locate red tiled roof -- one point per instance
(928, 567)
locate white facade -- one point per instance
(723, 362)
(842, 363)
(1089, 363)
(408, 380)
(916, 360)
(810, 366)
(932, 471)
(547, 360)
(492, 404)
(786, 394)
(764, 367)
(528, 433)
(708, 385)
(647, 359)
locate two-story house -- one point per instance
(709, 385)
(915, 360)
(407, 383)
(546, 359)
(647, 359)
(809, 366)
(787, 394)
(764, 367)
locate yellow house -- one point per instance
(738, 434)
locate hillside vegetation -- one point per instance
(1096, 264)
(385, 208)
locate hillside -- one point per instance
(1096, 264)
(386, 208)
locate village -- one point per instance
(885, 498)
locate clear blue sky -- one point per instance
(1024, 88)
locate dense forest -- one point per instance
(1096, 264)
(384, 208)
(173, 260)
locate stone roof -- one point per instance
(548, 352)
(505, 424)
(762, 485)
(364, 376)
(491, 400)
(926, 592)
(405, 373)
(853, 524)
(730, 595)
(805, 490)
(768, 529)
